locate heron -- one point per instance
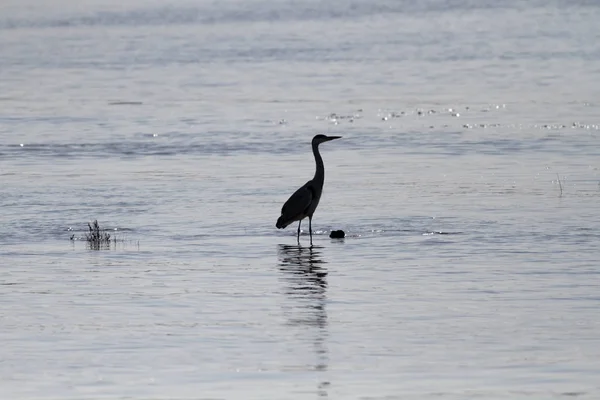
(305, 200)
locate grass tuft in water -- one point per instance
(98, 238)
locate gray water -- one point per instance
(467, 182)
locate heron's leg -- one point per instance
(310, 228)
(299, 222)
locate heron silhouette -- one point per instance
(305, 200)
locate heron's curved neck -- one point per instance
(320, 171)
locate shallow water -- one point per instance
(467, 182)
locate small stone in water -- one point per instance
(337, 234)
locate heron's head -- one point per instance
(317, 140)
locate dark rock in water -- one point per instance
(337, 234)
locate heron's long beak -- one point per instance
(333, 137)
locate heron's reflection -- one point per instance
(305, 280)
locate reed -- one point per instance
(559, 185)
(96, 237)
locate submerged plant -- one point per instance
(97, 238)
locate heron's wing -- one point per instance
(296, 206)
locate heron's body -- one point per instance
(301, 204)
(305, 200)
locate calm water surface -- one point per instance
(467, 181)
